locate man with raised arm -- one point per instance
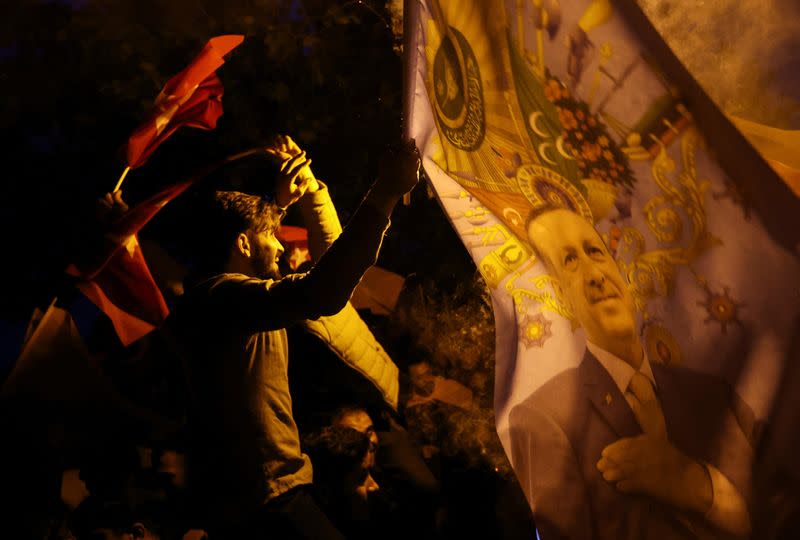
(248, 470)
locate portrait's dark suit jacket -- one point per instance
(558, 433)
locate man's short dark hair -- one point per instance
(223, 216)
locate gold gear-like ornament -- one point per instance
(721, 308)
(535, 330)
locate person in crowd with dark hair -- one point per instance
(409, 488)
(343, 459)
(245, 462)
(357, 418)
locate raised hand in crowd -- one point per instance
(398, 173)
(296, 177)
(290, 184)
(285, 147)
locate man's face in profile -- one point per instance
(266, 254)
(588, 275)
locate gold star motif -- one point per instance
(721, 308)
(609, 399)
(535, 330)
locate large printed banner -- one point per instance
(643, 312)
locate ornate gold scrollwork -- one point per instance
(652, 273)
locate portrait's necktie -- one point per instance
(644, 403)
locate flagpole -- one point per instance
(121, 179)
(410, 12)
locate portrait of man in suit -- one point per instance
(619, 446)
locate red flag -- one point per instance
(295, 242)
(191, 98)
(117, 279)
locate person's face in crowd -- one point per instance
(359, 482)
(265, 254)
(365, 483)
(588, 276)
(360, 421)
(421, 378)
(359, 485)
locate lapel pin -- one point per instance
(609, 399)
